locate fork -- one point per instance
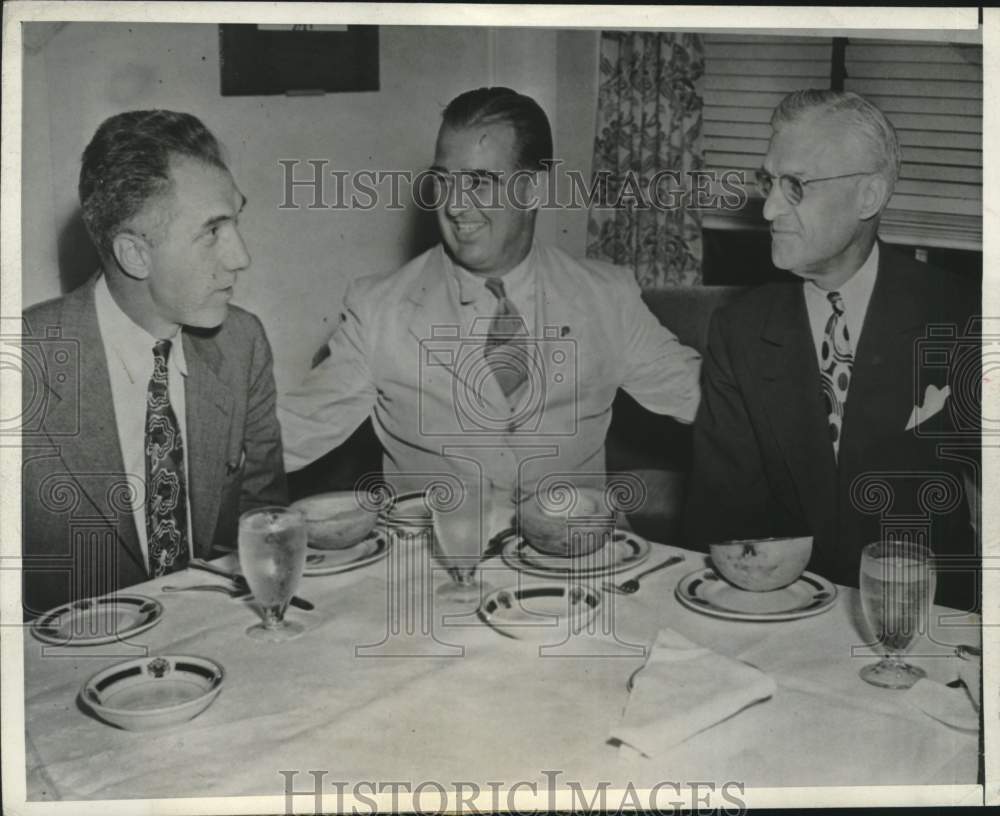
(632, 584)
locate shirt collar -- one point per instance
(471, 287)
(127, 340)
(856, 290)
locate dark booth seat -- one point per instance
(656, 448)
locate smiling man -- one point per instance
(820, 414)
(490, 355)
(149, 421)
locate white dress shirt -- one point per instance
(519, 284)
(128, 349)
(856, 293)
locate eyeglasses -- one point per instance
(792, 187)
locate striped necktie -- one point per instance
(506, 350)
(836, 360)
(166, 492)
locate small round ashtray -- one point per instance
(153, 692)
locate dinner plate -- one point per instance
(146, 693)
(531, 612)
(705, 591)
(93, 621)
(626, 551)
(330, 562)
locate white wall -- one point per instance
(302, 259)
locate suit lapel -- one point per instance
(208, 402)
(96, 452)
(790, 380)
(881, 393)
(435, 305)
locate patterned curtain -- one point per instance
(648, 119)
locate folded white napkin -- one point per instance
(952, 706)
(684, 689)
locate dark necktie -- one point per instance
(166, 493)
(506, 350)
(836, 360)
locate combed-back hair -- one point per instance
(490, 106)
(127, 163)
(853, 109)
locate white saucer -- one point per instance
(147, 693)
(531, 612)
(705, 591)
(626, 551)
(330, 562)
(94, 621)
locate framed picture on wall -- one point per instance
(260, 60)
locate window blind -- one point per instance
(931, 92)
(933, 95)
(746, 76)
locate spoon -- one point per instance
(632, 584)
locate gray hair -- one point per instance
(866, 120)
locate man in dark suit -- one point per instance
(845, 407)
(149, 402)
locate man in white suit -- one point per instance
(489, 354)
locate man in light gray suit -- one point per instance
(490, 355)
(148, 419)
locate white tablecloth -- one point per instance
(472, 705)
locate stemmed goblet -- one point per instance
(460, 510)
(897, 589)
(272, 548)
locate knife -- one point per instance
(235, 577)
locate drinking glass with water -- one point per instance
(272, 545)
(897, 589)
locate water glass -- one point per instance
(272, 547)
(897, 589)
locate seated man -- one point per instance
(489, 355)
(820, 415)
(149, 420)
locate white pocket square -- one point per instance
(934, 400)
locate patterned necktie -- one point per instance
(836, 360)
(166, 495)
(506, 351)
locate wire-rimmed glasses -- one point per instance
(793, 187)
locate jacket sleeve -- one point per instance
(264, 473)
(336, 396)
(729, 495)
(661, 372)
